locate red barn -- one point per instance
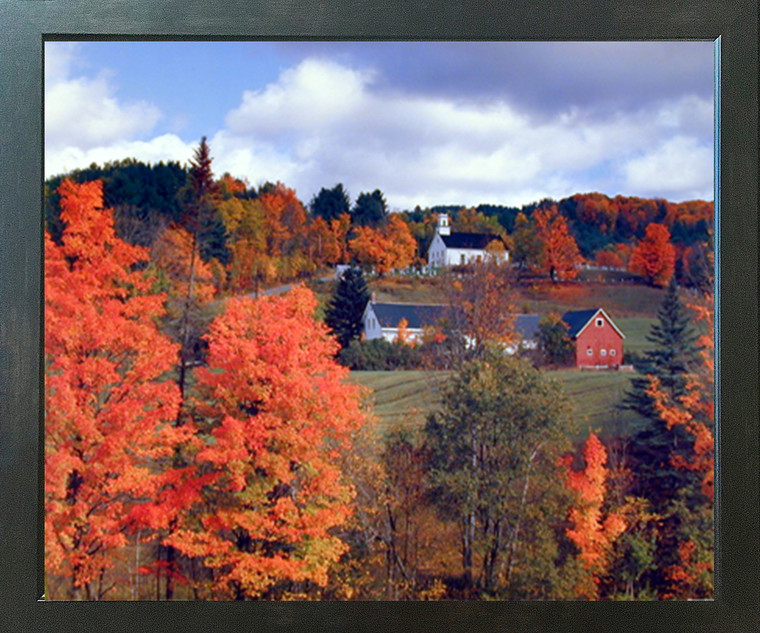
(598, 341)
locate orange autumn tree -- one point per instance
(108, 409)
(384, 249)
(654, 256)
(284, 220)
(560, 257)
(326, 242)
(172, 254)
(277, 414)
(608, 259)
(592, 533)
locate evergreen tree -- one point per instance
(200, 214)
(330, 204)
(344, 312)
(370, 209)
(675, 350)
(674, 354)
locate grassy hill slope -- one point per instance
(407, 397)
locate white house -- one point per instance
(381, 320)
(456, 249)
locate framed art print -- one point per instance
(339, 313)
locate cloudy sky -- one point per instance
(427, 122)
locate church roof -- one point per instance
(477, 241)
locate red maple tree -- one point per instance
(654, 256)
(277, 414)
(592, 533)
(560, 257)
(108, 413)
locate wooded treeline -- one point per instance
(265, 234)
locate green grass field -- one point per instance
(636, 330)
(406, 398)
(402, 397)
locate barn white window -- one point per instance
(604, 352)
(600, 323)
(613, 352)
(589, 352)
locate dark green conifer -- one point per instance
(652, 443)
(674, 353)
(345, 309)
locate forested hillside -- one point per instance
(301, 238)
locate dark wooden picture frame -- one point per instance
(27, 24)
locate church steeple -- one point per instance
(443, 227)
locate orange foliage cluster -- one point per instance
(284, 219)
(654, 257)
(386, 248)
(634, 213)
(281, 413)
(609, 259)
(249, 484)
(560, 255)
(687, 576)
(108, 413)
(176, 253)
(327, 242)
(592, 534)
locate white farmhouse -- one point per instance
(457, 249)
(381, 320)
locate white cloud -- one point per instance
(83, 115)
(322, 123)
(679, 168)
(314, 94)
(167, 147)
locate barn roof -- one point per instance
(527, 326)
(477, 241)
(577, 320)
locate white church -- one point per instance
(458, 249)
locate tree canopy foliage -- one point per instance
(497, 436)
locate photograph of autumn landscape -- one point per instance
(379, 321)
